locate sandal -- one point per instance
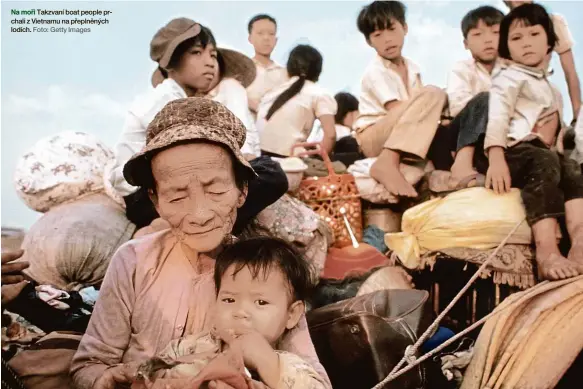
(440, 182)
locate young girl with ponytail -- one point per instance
(286, 115)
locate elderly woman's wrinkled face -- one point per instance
(196, 193)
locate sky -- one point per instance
(54, 82)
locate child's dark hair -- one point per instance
(489, 15)
(304, 62)
(346, 103)
(380, 15)
(530, 14)
(262, 254)
(259, 17)
(204, 38)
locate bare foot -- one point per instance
(458, 172)
(576, 252)
(463, 165)
(392, 179)
(553, 266)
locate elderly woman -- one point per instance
(160, 287)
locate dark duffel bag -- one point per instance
(360, 340)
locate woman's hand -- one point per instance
(498, 175)
(12, 272)
(12, 279)
(119, 374)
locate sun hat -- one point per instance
(184, 120)
(238, 66)
(169, 37)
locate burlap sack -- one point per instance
(475, 218)
(70, 246)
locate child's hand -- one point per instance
(498, 175)
(257, 353)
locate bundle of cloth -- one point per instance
(438, 226)
(70, 246)
(532, 341)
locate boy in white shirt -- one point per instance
(398, 115)
(262, 35)
(467, 89)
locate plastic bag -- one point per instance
(471, 218)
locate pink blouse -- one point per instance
(148, 293)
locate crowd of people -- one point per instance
(197, 162)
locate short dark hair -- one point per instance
(531, 15)
(346, 103)
(262, 254)
(489, 15)
(379, 15)
(259, 17)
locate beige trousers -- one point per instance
(409, 128)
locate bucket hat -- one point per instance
(187, 120)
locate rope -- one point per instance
(411, 350)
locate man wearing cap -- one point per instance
(187, 60)
(161, 287)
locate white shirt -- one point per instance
(133, 136)
(466, 80)
(565, 40)
(267, 78)
(232, 95)
(519, 97)
(317, 134)
(292, 122)
(380, 84)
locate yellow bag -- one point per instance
(471, 218)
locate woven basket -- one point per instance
(327, 195)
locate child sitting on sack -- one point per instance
(261, 285)
(468, 84)
(523, 141)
